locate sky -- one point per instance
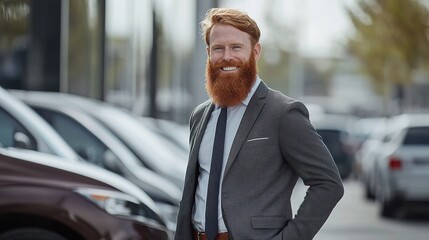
(320, 25)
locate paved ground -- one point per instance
(355, 218)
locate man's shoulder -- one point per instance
(264, 90)
(199, 110)
(201, 107)
(281, 98)
(283, 102)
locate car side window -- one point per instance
(77, 136)
(9, 128)
(417, 136)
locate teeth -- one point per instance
(229, 68)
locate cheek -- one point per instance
(214, 58)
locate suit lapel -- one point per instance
(200, 133)
(252, 112)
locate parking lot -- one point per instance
(356, 218)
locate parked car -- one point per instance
(402, 169)
(23, 128)
(172, 131)
(152, 150)
(98, 145)
(368, 153)
(335, 132)
(47, 198)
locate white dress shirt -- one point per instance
(234, 116)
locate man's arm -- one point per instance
(305, 152)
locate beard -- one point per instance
(229, 89)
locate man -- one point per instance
(269, 143)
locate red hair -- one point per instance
(233, 17)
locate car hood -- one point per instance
(89, 175)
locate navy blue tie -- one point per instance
(214, 178)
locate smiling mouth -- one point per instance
(228, 69)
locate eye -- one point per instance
(236, 48)
(217, 49)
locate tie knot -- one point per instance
(223, 111)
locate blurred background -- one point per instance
(360, 66)
(366, 58)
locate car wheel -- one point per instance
(369, 195)
(388, 209)
(388, 206)
(30, 234)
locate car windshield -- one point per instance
(417, 136)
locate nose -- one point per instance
(227, 55)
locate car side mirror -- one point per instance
(22, 140)
(110, 161)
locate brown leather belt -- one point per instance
(202, 236)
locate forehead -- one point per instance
(227, 34)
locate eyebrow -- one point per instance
(223, 45)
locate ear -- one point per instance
(208, 51)
(257, 50)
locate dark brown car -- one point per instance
(43, 197)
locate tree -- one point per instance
(391, 41)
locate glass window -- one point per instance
(128, 48)
(417, 136)
(14, 19)
(77, 136)
(84, 53)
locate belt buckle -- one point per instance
(199, 235)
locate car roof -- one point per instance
(410, 120)
(338, 122)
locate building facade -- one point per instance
(137, 54)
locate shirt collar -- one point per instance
(252, 91)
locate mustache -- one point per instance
(227, 63)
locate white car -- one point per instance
(368, 152)
(402, 168)
(152, 150)
(21, 127)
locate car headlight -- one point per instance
(115, 203)
(122, 205)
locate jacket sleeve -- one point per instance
(305, 152)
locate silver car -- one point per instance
(402, 168)
(368, 153)
(170, 130)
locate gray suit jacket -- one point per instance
(275, 145)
